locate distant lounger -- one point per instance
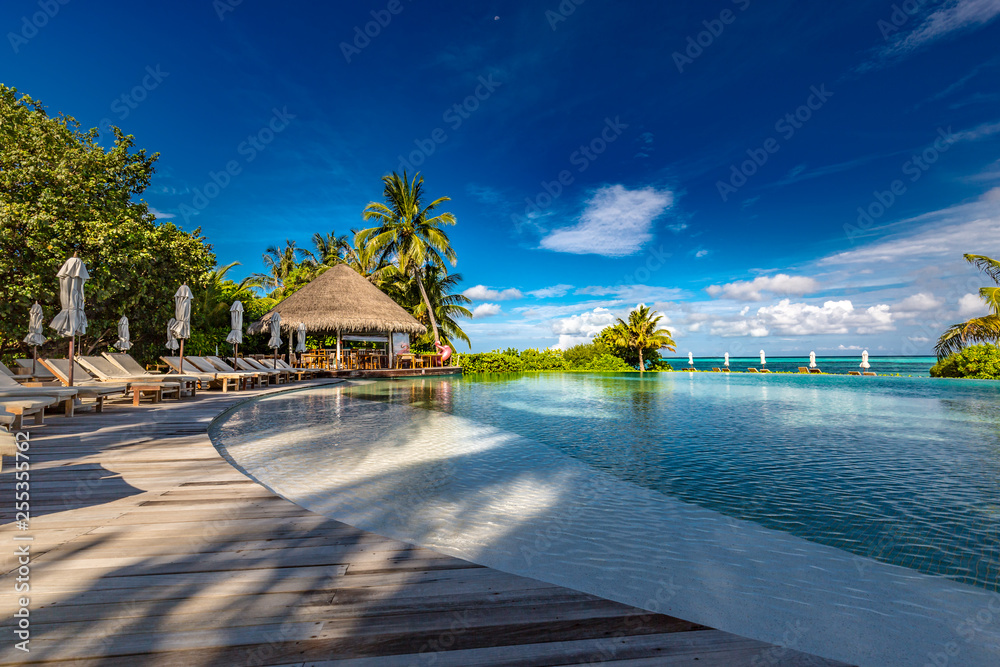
(804, 369)
(870, 373)
(815, 370)
(256, 379)
(854, 372)
(280, 375)
(132, 367)
(716, 370)
(214, 379)
(752, 370)
(765, 370)
(108, 371)
(302, 372)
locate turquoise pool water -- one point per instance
(902, 470)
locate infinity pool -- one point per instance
(725, 480)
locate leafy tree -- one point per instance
(977, 361)
(409, 232)
(543, 360)
(608, 362)
(60, 193)
(641, 333)
(985, 329)
(374, 266)
(579, 356)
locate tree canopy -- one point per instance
(60, 193)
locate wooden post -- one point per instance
(338, 349)
(391, 356)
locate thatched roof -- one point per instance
(341, 299)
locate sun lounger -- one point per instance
(301, 373)
(870, 373)
(268, 374)
(131, 367)
(67, 397)
(854, 372)
(815, 371)
(83, 379)
(804, 369)
(215, 379)
(752, 370)
(107, 371)
(256, 378)
(279, 375)
(716, 370)
(26, 407)
(39, 371)
(765, 370)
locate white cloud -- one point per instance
(486, 310)
(700, 253)
(581, 328)
(802, 319)
(955, 16)
(160, 215)
(482, 293)
(616, 222)
(752, 290)
(849, 347)
(971, 305)
(913, 306)
(550, 292)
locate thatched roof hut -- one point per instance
(342, 300)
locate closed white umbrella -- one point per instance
(864, 360)
(726, 362)
(235, 337)
(182, 318)
(172, 343)
(690, 359)
(762, 359)
(301, 347)
(275, 341)
(71, 320)
(812, 360)
(123, 343)
(35, 336)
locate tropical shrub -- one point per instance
(608, 362)
(579, 356)
(544, 360)
(660, 365)
(980, 362)
(491, 362)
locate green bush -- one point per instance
(661, 365)
(544, 360)
(608, 362)
(981, 362)
(491, 362)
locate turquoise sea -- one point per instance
(916, 366)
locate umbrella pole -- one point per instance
(71, 338)
(34, 362)
(182, 356)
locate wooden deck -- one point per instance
(149, 548)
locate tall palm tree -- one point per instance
(641, 333)
(441, 290)
(280, 262)
(985, 329)
(409, 232)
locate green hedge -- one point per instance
(491, 362)
(608, 362)
(981, 362)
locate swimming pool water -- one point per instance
(904, 471)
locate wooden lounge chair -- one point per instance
(308, 373)
(765, 370)
(133, 368)
(804, 369)
(107, 371)
(752, 370)
(256, 378)
(26, 407)
(211, 379)
(282, 375)
(716, 370)
(725, 369)
(37, 371)
(871, 373)
(854, 372)
(82, 378)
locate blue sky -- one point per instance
(786, 176)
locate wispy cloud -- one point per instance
(753, 290)
(956, 16)
(550, 292)
(160, 215)
(616, 222)
(483, 293)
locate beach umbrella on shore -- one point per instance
(124, 344)
(35, 336)
(690, 359)
(172, 343)
(235, 336)
(275, 341)
(726, 362)
(182, 316)
(763, 361)
(864, 360)
(71, 320)
(812, 360)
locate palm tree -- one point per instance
(330, 249)
(216, 296)
(640, 333)
(985, 329)
(441, 290)
(372, 265)
(280, 262)
(409, 232)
